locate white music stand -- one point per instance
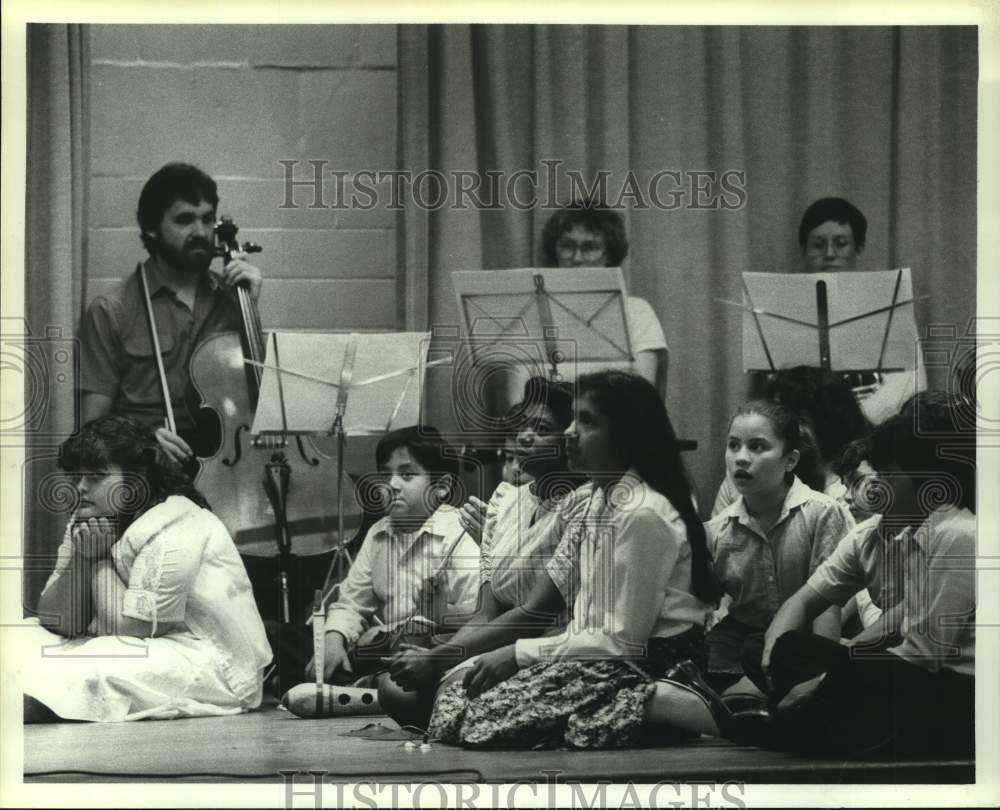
(849, 321)
(551, 315)
(322, 384)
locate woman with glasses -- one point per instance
(584, 234)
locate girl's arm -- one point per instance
(499, 660)
(454, 650)
(108, 591)
(888, 625)
(627, 598)
(413, 668)
(828, 623)
(540, 611)
(797, 613)
(66, 605)
(834, 526)
(168, 543)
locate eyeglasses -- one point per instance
(590, 249)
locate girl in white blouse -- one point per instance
(633, 562)
(149, 612)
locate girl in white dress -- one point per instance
(149, 612)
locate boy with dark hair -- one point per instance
(416, 565)
(911, 695)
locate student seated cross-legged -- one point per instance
(416, 564)
(634, 563)
(518, 535)
(905, 686)
(770, 540)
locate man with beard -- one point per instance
(118, 374)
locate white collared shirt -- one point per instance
(939, 596)
(387, 574)
(629, 562)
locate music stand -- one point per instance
(557, 315)
(546, 316)
(847, 321)
(322, 384)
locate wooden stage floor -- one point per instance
(259, 746)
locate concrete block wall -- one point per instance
(236, 100)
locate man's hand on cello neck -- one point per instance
(239, 270)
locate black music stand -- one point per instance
(849, 322)
(545, 317)
(341, 385)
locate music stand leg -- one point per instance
(286, 614)
(340, 551)
(279, 478)
(823, 318)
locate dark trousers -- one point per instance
(734, 650)
(871, 704)
(292, 646)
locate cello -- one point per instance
(275, 494)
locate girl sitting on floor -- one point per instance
(766, 543)
(149, 611)
(415, 565)
(634, 557)
(896, 697)
(517, 542)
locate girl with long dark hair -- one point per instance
(632, 561)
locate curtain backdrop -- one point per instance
(56, 207)
(885, 117)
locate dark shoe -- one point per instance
(687, 674)
(738, 703)
(744, 719)
(751, 718)
(752, 727)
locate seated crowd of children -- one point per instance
(584, 604)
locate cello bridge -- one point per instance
(270, 442)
